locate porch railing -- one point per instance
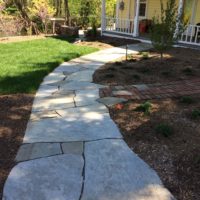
(191, 35)
(118, 25)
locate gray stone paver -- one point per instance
(72, 148)
(112, 170)
(38, 150)
(110, 101)
(86, 97)
(54, 102)
(52, 178)
(119, 174)
(85, 127)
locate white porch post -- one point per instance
(136, 20)
(180, 11)
(103, 16)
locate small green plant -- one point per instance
(144, 107)
(136, 76)
(187, 100)
(144, 70)
(166, 73)
(196, 114)
(188, 71)
(164, 129)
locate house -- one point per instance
(133, 18)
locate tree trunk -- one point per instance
(67, 13)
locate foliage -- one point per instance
(144, 107)
(24, 64)
(164, 129)
(187, 100)
(163, 29)
(43, 10)
(196, 114)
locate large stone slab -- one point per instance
(72, 148)
(38, 150)
(118, 174)
(41, 115)
(93, 109)
(53, 102)
(86, 97)
(45, 91)
(57, 177)
(53, 77)
(85, 75)
(82, 127)
(69, 67)
(110, 101)
(77, 85)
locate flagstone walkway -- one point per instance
(72, 150)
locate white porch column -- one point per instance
(103, 16)
(136, 20)
(180, 12)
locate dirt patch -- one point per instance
(176, 158)
(106, 42)
(178, 64)
(14, 115)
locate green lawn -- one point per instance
(23, 65)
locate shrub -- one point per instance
(188, 71)
(164, 27)
(118, 63)
(164, 129)
(144, 107)
(136, 76)
(196, 114)
(187, 100)
(166, 73)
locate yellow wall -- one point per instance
(197, 17)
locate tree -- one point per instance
(163, 29)
(43, 10)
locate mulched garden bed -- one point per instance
(14, 115)
(167, 137)
(147, 67)
(163, 132)
(104, 42)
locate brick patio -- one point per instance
(153, 91)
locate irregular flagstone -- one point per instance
(118, 174)
(38, 150)
(72, 148)
(141, 87)
(53, 103)
(46, 91)
(77, 85)
(85, 75)
(86, 97)
(69, 67)
(83, 127)
(41, 115)
(53, 77)
(57, 177)
(110, 101)
(93, 109)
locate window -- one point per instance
(143, 7)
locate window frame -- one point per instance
(146, 3)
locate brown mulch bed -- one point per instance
(105, 42)
(176, 158)
(178, 64)
(14, 115)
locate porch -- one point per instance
(133, 19)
